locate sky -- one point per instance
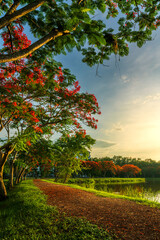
(128, 92)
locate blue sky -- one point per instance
(128, 92)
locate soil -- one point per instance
(126, 219)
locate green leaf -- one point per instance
(86, 10)
(101, 40)
(102, 7)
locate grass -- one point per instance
(90, 182)
(111, 195)
(26, 216)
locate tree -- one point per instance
(92, 168)
(69, 151)
(55, 108)
(37, 98)
(118, 170)
(61, 26)
(108, 168)
(40, 155)
(130, 170)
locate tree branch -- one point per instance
(7, 121)
(1, 124)
(19, 13)
(13, 7)
(8, 146)
(25, 52)
(9, 31)
(15, 156)
(80, 1)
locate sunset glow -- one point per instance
(128, 92)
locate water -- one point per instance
(149, 190)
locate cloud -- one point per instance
(147, 99)
(116, 127)
(151, 98)
(125, 78)
(103, 144)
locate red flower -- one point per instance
(28, 143)
(14, 104)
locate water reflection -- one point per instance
(149, 190)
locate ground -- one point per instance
(127, 219)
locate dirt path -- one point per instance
(127, 219)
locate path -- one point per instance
(129, 221)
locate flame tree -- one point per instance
(38, 98)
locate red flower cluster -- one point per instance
(102, 168)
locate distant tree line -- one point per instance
(116, 166)
(108, 169)
(119, 166)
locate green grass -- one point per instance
(26, 216)
(110, 195)
(109, 181)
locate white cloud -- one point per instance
(103, 144)
(102, 148)
(147, 99)
(115, 127)
(125, 78)
(151, 98)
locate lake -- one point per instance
(149, 190)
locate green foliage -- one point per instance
(25, 215)
(136, 19)
(69, 151)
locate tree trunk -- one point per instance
(21, 172)
(15, 173)
(67, 176)
(12, 171)
(18, 175)
(56, 175)
(3, 192)
(24, 176)
(3, 159)
(11, 175)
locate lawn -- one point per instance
(26, 216)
